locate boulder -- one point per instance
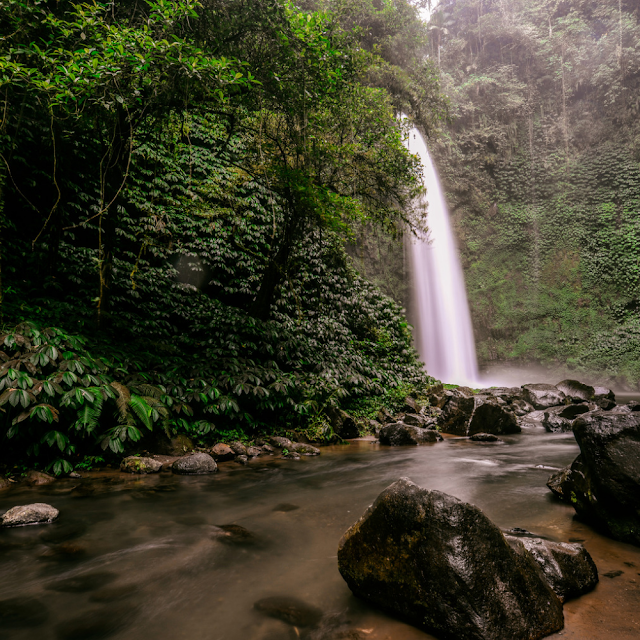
(560, 483)
(484, 437)
(414, 419)
(576, 391)
(134, 464)
(221, 452)
(281, 443)
(384, 416)
(411, 406)
(238, 448)
(489, 416)
(36, 513)
(443, 566)
(305, 449)
(542, 396)
(342, 423)
(254, 452)
(195, 464)
(568, 568)
(436, 396)
(38, 478)
(604, 484)
(553, 420)
(290, 455)
(399, 434)
(267, 448)
(457, 412)
(521, 407)
(242, 459)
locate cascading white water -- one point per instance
(444, 334)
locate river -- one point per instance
(135, 557)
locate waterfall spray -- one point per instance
(443, 330)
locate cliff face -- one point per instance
(541, 168)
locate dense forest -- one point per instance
(179, 181)
(541, 167)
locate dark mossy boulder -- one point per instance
(568, 568)
(491, 416)
(576, 391)
(457, 411)
(542, 396)
(604, 398)
(342, 423)
(561, 418)
(305, 449)
(606, 489)
(443, 566)
(399, 434)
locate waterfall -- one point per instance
(443, 330)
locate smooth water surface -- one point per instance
(135, 557)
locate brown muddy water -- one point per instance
(135, 558)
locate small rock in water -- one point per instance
(542, 396)
(242, 459)
(267, 448)
(238, 448)
(222, 452)
(254, 452)
(613, 574)
(37, 513)
(141, 465)
(285, 507)
(195, 464)
(281, 443)
(484, 437)
(234, 535)
(38, 478)
(86, 582)
(290, 455)
(17, 613)
(290, 610)
(305, 449)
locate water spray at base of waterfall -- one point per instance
(443, 330)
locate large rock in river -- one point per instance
(606, 488)
(543, 396)
(576, 391)
(489, 416)
(442, 565)
(399, 434)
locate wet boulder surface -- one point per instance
(603, 484)
(543, 396)
(400, 434)
(195, 464)
(568, 568)
(141, 465)
(491, 416)
(36, 513)
(443, 566)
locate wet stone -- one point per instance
(238, 448)
(222, 452)
(17, 613)
(85, 582)
(290, 455)
(36, 513)
(305, 449)
(281, 443)
(195, 464)
(242, 459)
(484, 437)
(290, 610)
(38, 478)
(234, 535)
(135, 464)
(254, 452)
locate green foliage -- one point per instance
(541, 169)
